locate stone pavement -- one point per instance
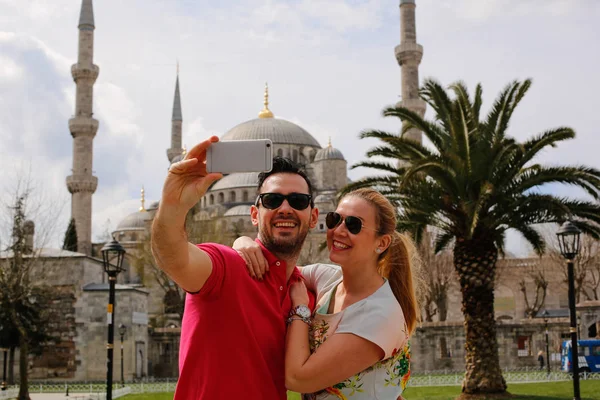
(61, 396)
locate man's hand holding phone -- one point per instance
(188, 180)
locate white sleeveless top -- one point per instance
(377, 318)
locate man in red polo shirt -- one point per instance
(233, 331)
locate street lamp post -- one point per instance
(568, 241)
(114, 252)
(545, 315)
(122, 330)
(3, 387)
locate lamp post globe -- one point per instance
(113, 255)
(569, 243)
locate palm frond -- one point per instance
(435, 133)
(533, 237)
(442, 241)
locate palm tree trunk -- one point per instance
(23, 369)
(475, 262)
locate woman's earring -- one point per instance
(377, 251)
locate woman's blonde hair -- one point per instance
(396, 263)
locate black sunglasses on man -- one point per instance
(271, 201)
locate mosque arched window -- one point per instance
(211, 199)
(280, 152)
(245, 195)
(221, 198)
(232, 197)
(295, 156)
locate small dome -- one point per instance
(242, 210)
(279, 131)
(237, 180)
(134, 221)
(329, 153)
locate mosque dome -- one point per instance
(266, 126)
(134, 221)
(329, 153)
(243, 210)
(279, 131)
(237, 180)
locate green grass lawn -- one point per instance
(590, 390)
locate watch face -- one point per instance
(303, 311)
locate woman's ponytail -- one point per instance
(398, 261)
(396, 265)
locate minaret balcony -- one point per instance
(82, 183)
(85, 72)
(409, 52)
(81, 125)
(415, 105)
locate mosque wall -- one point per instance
(130, 310)
(437, 346)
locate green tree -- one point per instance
(70, 242)
(24, 315)
(473, 184)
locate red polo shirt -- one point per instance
(233, 331)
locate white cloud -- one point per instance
(329, 64)
(9, 69)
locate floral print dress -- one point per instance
(377, 318)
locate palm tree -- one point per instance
(473, 184)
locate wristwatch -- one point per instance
(301, 311)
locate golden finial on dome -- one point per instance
(142, 208)
(183, 151)
(265, 112)
(329, 144)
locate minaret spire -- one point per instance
(176, 123)
(409, 54)
(82, 184)
(265, 112)
(86, 17)
(143, 200)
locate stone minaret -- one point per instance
(82, 184)
(409, 55)
(176, 123)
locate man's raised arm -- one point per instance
(186, 183)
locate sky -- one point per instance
(330, 66)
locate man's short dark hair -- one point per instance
(285, 165)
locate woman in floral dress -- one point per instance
(355, 344)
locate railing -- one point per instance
(9, 394)
(92, 391)
(97, 390)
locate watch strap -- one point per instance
(296, 317)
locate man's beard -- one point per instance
(288, 247)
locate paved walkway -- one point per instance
(59, 396)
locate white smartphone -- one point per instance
(240, 156)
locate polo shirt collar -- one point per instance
(272, 260)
